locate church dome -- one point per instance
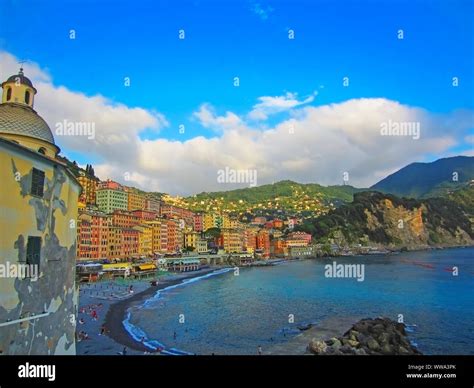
(19, 122)
(21, 78)
(19, 119)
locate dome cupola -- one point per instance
(18, 89)
(19, 122)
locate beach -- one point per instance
(111, 300)
(281, 308)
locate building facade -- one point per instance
(38, 198)
(109, 200)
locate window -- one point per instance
(37, 182)
(33, 251)
(9, 94)
(27, 97)
(42, 151)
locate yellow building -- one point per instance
(145, 239)
(232, 240)
(212, 220)
(226, 221)
(114, 241)
(190, 239)
(89, 187)
(38, 201)
(156, 235)
(136, 201)
(201, 246)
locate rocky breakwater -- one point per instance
(380, 336)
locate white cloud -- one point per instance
(208, 119)
(116, 125)
(268, 105)
(316, 144)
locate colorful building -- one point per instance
(38, 198)
(130, 243)
(136, 200)
(115, 237)
(92, 235)
(124, 219)
(109, 200)
(201, 246)
(190, 239)
(232, 240)
(212, 220)
(156, 231)
(145, 239)
(198, 222)
(298, 239)
(153, 205)
(176, 212)
(144, 215)
(174, 241)
(263, 243)
(89, 187)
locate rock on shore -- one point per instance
(379, 336)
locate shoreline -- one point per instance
(117, 311)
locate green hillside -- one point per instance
(282, 197)
(424, 180)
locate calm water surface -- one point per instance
(228, 314)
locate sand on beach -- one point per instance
(111, 301)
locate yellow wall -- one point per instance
(18, 93)
(24, 215)
(35, 144)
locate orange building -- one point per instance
(130, 243)
(124, 219)
(171, 211)
(277, 224)
(93, 230)
(300, 239)
(145, 215)
(263, 243)
(109, 184)
(232, 240)
(250, 240)
(279, 247)
(174, 241)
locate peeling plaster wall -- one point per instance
(52, 218)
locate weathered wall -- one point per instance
(53, 219)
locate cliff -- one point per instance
(385, 220)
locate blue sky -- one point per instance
(249, 40)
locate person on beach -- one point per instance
(102, 330)
(81, 321)
(174, 335)
(94, 315)
(259, 350)
(130, 289)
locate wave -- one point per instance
(184, 283)
(140, 336)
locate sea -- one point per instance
(232, 312)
